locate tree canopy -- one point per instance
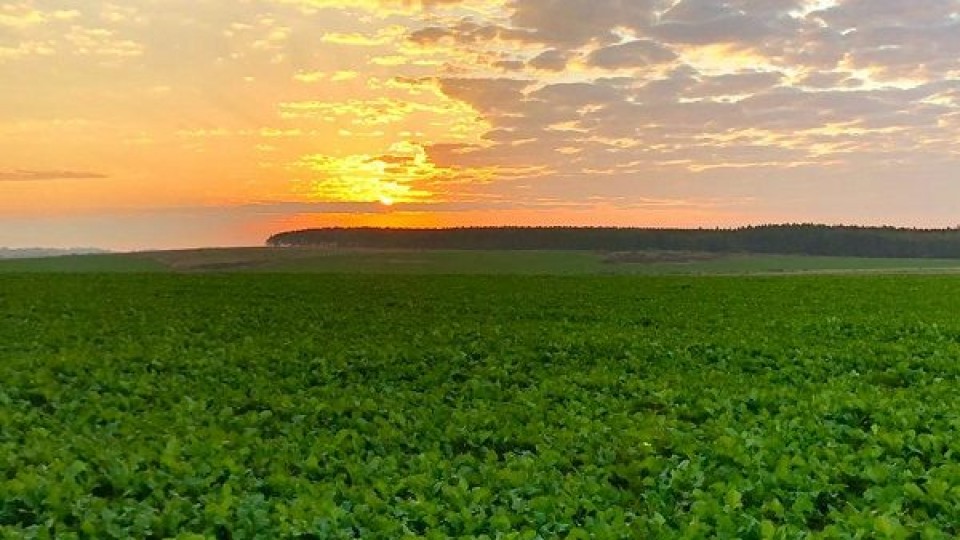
(809, 239)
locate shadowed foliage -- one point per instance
(785, 239)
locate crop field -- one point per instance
(353, 406)
(467, 262)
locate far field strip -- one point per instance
(471, 262)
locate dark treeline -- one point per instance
(784, 239)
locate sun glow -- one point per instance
(722, 59)
(401, 174)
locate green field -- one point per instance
(337, 406)
(345, 261)
(84, 263)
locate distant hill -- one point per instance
(35, 253)
(805, 239)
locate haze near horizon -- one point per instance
(133, 125)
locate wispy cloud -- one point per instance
(23, 175)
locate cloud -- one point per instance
(19, 16)
(470, 32)
(635, 53)
(746, 83)
(101, 42)
(572, 23)
(486, 95)
(858, 14)
(23, 175)
(550, 60)
(381, 8)
(79, 32)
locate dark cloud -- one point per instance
(576, 22)
(467, 31)
(705, 22)
(829, 79)
(905, 51)
(23, 175)
(486, 95)
(509, 65)
(859, 14)
(635, 53)
(577, 95)
(550, 60)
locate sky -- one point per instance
(148, 124)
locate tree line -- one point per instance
(807, 239)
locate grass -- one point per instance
(97, 263)
(790, 264)
(309, 260)
(300, 260)
(352, 406)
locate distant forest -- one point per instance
(781, 239)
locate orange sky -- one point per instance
(140, 124)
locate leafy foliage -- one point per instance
(268, 406)
(808, 239)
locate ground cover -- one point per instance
(94, 263)
(468, 262)
(336, 406)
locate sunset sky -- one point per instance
(172, 123)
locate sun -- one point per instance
(386, 200)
